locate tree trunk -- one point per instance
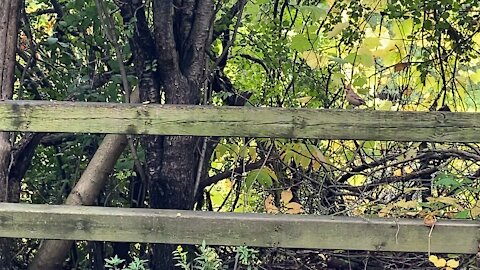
(178, 46)
(9, 188)
(182, 34)
(52, 253)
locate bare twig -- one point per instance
(111, 34)
(235, 31)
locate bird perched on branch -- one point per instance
(352, 97)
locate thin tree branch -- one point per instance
(235, 31)
(227, 174)
(111, 34)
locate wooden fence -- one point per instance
(192, 227)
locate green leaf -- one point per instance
(338, 60)
(359, 82)
(124, 164)
(220, 151)
(271, 173)
(317, 12)
(446, 180)
(300, 43)
(366, 60)
(371, 43)
(265, 179)
(261, 175)
(465, 214)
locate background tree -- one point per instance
(16, 150)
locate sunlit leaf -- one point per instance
(385, 105)
(293, 208)
(317, 12)
(357, 180)
(337, 29)
(314, 60)
(300, 43)
(407, 204)
(371, 43)
(475, 211)
(440, 263)
(453, 263)
(445, 200)
(286, 196)
(269, 205)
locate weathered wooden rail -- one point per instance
(37, 116)
(189, 227)
(192, 227)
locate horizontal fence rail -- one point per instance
(41, 116)
(262, 230)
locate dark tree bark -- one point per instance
(182, 33)
(9, 187)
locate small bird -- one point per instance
(352, 97)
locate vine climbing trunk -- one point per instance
(9, 187)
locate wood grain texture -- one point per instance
(39, 116)
(192, 227)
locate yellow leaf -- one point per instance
(318, 155)
(408, 169)
(314, 60)
(453, 263)
(475, 77)
(270, 206)
(252, 152)
(402, 28)
(385, 105)
(441, 262)
(407, 204)
(371, 43)
(294, 208)
(286, 196)
(445, 200)
(243, 152)
(337, 29)
(385, 210)
(433, 258)
(438, 262)
(303, 161)
(304, 100)
(375, 4)
(475, 212)
(316, 165)
(411, 153)
(357, 180)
